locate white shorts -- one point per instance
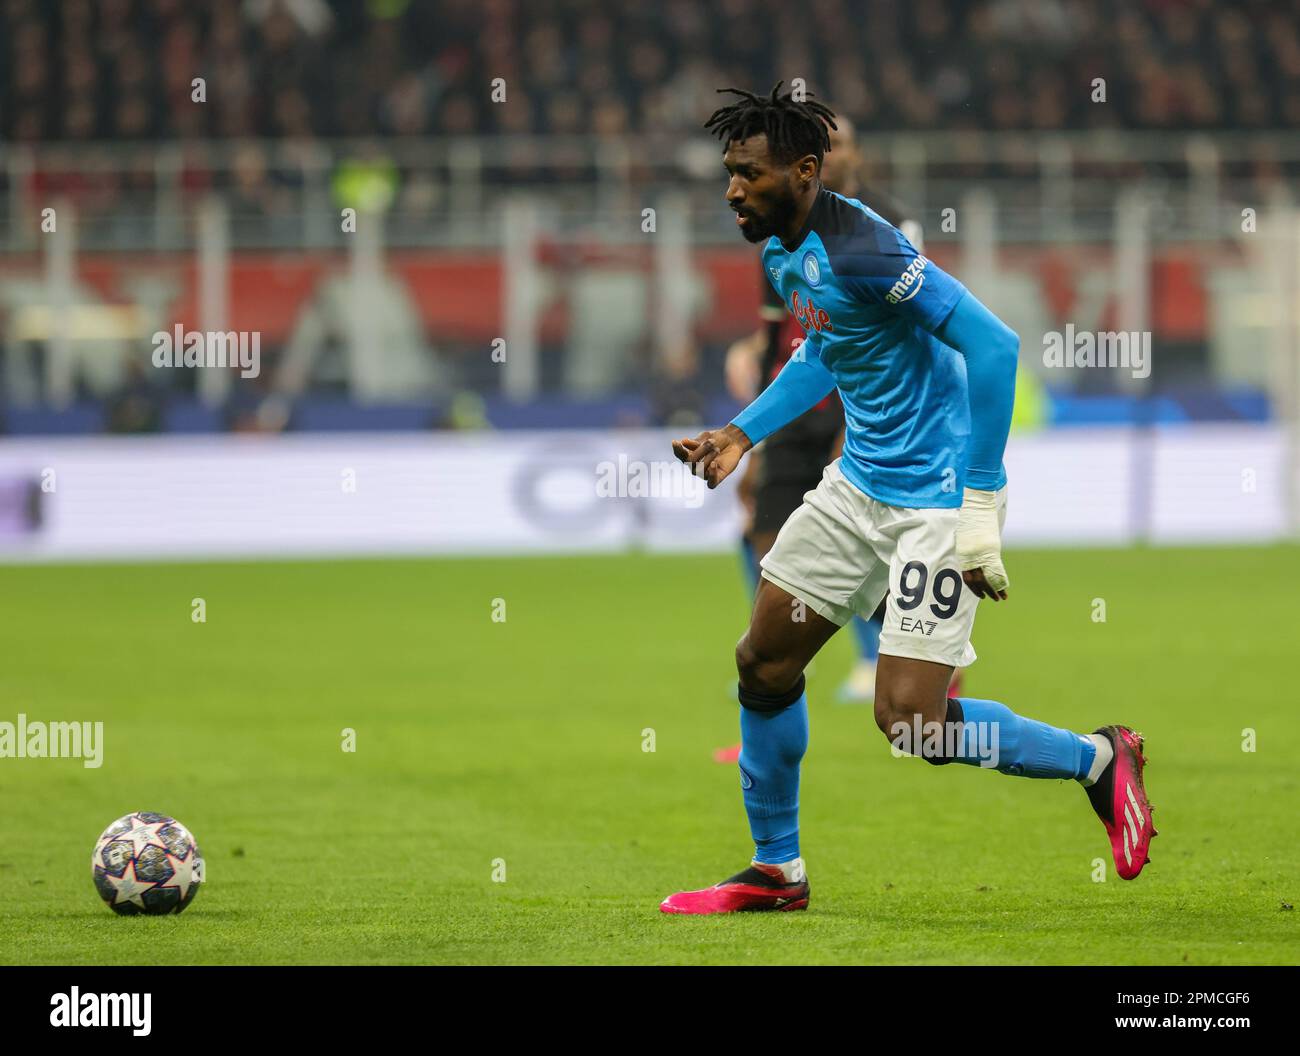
(842, 551)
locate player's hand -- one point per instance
(979, 545)
(714, 454)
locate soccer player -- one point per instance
(790, 463)
(911, 512)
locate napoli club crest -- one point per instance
(812, 271)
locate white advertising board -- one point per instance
(179, 497)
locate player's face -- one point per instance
(761, 192)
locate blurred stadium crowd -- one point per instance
(122, 69)
(313, 106)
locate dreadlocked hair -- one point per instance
(793, 128)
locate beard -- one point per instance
(763, 226)
(755, 230)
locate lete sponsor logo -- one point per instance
(809, 315)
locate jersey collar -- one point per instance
(814, 214)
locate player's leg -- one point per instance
(929, 615)
(928, 620)
(782, 637)
(912, 701)
(801, 602)
(860, 686)
(769, 507)
(750, 555)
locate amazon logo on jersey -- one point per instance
(909, 283)
(809, 315)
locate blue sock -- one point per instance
(867, 633)
(1024, 747)
(772, 746)
(750, 564)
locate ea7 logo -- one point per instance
(909, 283)
(76, 1009)
(912, 625)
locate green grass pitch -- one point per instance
(521, 742)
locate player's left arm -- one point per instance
(991, 350)
(893, 274)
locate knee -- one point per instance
(891, 709)
(898, 708)
(762, 673)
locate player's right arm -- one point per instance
(751, 360)
(803, 383)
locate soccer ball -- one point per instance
(147, 863)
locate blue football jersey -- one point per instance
(868, 302)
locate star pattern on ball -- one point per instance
(146, 851)
(183, 873)
(128, 887)
(143, 834)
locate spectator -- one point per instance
(346, 67)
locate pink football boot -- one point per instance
(760, 887)
(1120, 800)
